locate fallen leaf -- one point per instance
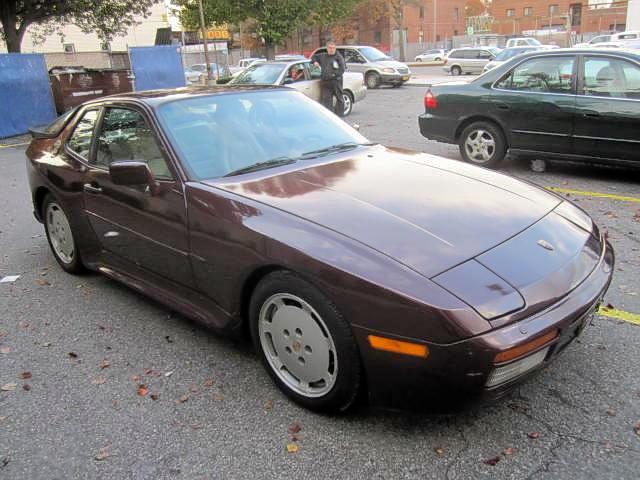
(295, 438)
(104, 364)
(148, 371)
(26, 387)
(25, 375)
(42, 282)
(5, 350)
(8, 387)
(292, 448)
(208, 382)
(533, 435)
(73, 355)
(103, 454)
(439, 450)
(611, 413)
(217, 397)
(193, 388)
(508, 451)
(294, 428)
(268, 405)
(99, 380)
(636, 428)
(154, 397)
(183, 399)
(491, 461)
(24, 324)
(142, 390)
(3, 334)
(134, 378)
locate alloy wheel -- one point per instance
(480, 146)
(60, 233)
(297, 345)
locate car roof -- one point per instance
(632, 54)
(154, 98)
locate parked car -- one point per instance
(351, 266)
(192, 76)
(594, 41)
(436, 55)
(469, 60)
(377, 68)
(217, 70)
(614, 37)
(567, 104)
(279, 73)
(289, 57)
(247, 62)
(508, 54)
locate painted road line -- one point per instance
(629, 317)
(594, 194)
(15, 145)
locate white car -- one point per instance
(631, 35)
(247, 62)
(436, 55)
(527, 42)
(192, 76)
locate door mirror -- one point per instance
(132, 173)
(287, 81)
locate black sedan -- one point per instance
(568, 104)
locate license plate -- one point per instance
(405, 78)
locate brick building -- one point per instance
(525, 16)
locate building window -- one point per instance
(575, 10)
(456, 14)
(377, 37)
(69, 48)
(528, 11)
(511, 12)
(553, 9)
(421, 12)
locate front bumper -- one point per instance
(395, 78)
(455, 374)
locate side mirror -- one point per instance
(287, 81)
(133, 173)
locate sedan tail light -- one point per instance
(430, 101)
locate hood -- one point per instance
(426, 212)
(391, 63)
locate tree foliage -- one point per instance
(107, 18)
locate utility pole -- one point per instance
(203, 29)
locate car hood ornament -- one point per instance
(546, 245)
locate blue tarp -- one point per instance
(157, 67)
(25, 93)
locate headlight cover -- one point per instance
(388, 70)
(479, 287)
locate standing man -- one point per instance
(333, 67)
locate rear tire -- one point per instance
(60, 236)
(348, 103)
(304, 343)
(437, 59)
(483, 143)
(373, 80)
(456, 70)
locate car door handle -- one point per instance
(502, 106)
(591, 114)
(92, 188)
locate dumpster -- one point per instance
(72, 86)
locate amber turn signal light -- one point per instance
(398, 346)
(525, 348)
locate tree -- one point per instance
(473, 8)
(334, 15)
(107, 18)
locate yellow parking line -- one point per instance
(594, 194)
(629, 317)
(15, 145)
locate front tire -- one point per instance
(60, 236)
(456, 70)
(304, 343)
(347, 98)
(482, 143)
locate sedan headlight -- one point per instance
(388, 70)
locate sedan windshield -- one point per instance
(373, 54)
(260, 74)
(230, 133)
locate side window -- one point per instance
(485, 55)
(455, 54)
(314, 71)
(296, 73)
(80, 141)
(471, 54)
(610, 77)
(550, 74)
(352, 56)
(125, 135)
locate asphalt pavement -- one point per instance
(100, 382)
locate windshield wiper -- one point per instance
(274, 162)
(334, 148)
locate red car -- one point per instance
(354, 268)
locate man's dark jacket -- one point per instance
(332, 66)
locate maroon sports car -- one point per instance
(353, 267)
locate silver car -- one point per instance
(377, 68)
(508, 54)
(280, 73)
(435, 55)
(469, 60)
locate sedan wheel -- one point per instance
(305, 344)
(348, 103)
(60, 236)
(482, 143)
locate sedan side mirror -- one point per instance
(133, 173)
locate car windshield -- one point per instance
(260, 74)
(373, 54)
(218, 135)
(505, 55)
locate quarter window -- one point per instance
(80, 141)
(550, 74)
(611, 77)
(125, 135)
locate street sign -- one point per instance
(469, 30)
